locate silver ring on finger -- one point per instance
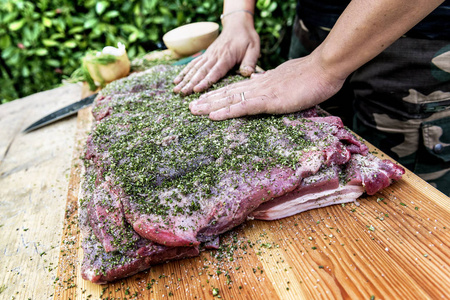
(243, 97)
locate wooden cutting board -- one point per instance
(393, 245)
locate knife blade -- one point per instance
(61, 113)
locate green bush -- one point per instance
(43, 41)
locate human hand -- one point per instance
(293, 86)
(238, 43)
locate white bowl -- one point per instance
(191, 38)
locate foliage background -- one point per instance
(43, 41)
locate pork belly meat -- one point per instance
(160, 182)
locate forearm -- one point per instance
(366, 28)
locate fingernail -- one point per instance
(246, 71)
(187, 89)
(215, 115)
(198, 108)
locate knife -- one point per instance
(62, 113)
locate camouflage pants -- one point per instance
(399, 101)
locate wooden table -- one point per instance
(393, 245)
(34, 176)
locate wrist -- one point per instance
(240, 16)
(237, 11)
(332, 64)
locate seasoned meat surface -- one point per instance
(160, 183)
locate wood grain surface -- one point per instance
(392, 245)
(34, 176)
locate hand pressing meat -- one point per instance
(293, 86)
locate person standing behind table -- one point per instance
(402, 96)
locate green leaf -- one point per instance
(139, 21)
(41, 52)
(149, 5)
(133, 37)
(272, 6)
(14, 59)
(52, 62)
(153, 36)
(27, 34)
(5, 41)
(132, 51)
(137, 9)
(8, 52)
(20, 4)
(49, 43)
(70, 44)
(262, 4)
(50, 13)
(265, 13)
(90, 23)
(111, 14)
(128, 28)
(165, 11)
(158, 20)
(25, 71)
(76, 29)
(60, 24)
(56, 36)
(43, 4)
(47, 22)
(16, 25)
(36, 31)
(101, 6)
(9, 17)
